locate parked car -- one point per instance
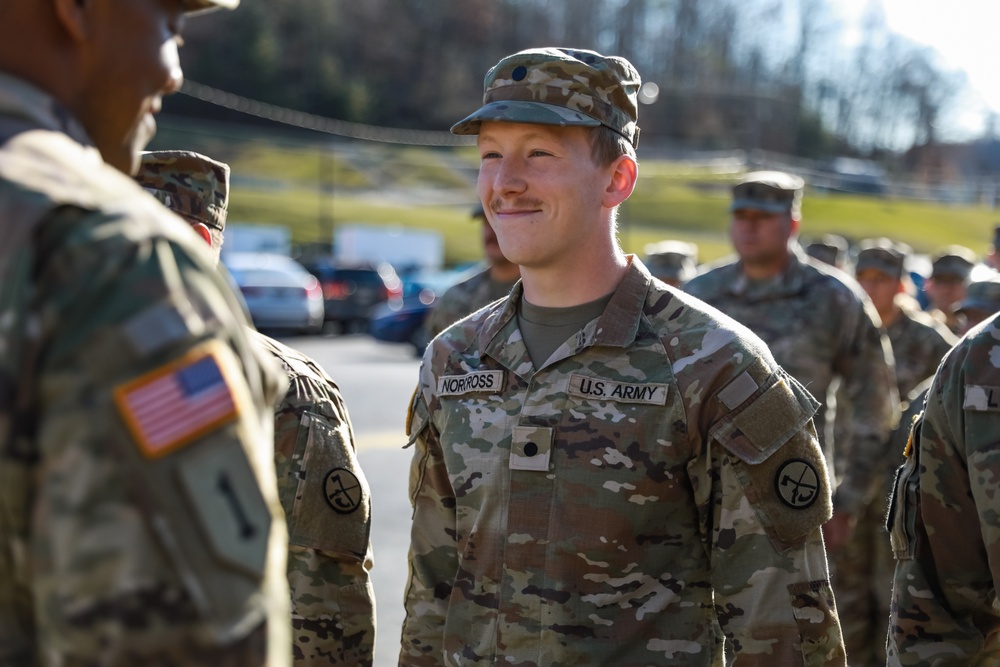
(402, 320)
(351, 292)
(280, 294)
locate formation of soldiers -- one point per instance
(614, 462)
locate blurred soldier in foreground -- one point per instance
(817, 323)
(950, 271)
(468, 296)
(139, 521)
(862, 577)
(830, 249)
(943, 517)
(605, 472)
(323, 491)
(673, 262)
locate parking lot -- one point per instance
(377, 380)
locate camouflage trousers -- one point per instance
(861, 573)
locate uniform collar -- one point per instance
(790, 281)
(500, 339)
(22, 100)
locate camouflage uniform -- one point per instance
(324, 493)
(139, 517)
(819, 325)
(652, 495)
(465, 298)
(943, 517)
(327, 503)
(864, 567)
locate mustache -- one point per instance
(520, 203)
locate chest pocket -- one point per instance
(330, 501)
(904, 504)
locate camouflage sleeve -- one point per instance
(871, 408)
(327, 502)
(155, 536)
(773, 595)
(943, 517)
(433, 557)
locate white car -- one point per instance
(279, 293)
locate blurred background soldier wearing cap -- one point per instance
(817, 323)
(830, 249)
(137, 525)
(950, 270)
(862, 577)
(673, 262)
(605, 471)
(468, 296)
(323, 491)
(981, 301)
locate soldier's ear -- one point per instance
(73, 16)
(202, 230)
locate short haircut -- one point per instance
(606, 146)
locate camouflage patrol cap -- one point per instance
(672, 260)
(883, 255)
(557, 86)
(982, 295)
(189, 184)
(829, 249)
(769, 191)
(192, 6)
(953, 260)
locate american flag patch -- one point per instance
(175, 404)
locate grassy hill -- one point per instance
(314, 187)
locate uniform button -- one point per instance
(530, 449)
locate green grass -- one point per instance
(314, 188)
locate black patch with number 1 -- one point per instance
(342, 490)
(797, 484)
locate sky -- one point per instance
(964, 32)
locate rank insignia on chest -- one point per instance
(531, 448)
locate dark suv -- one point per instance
(351, 291)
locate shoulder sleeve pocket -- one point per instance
(332, 506)
(780, 464)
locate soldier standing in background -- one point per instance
(863, 569)
(981, 301)
(139, 520)
(468, 296)
(673, 262)
(605, 472)
(950, 271)
(323, 491)
(830, 249)
(943, 518)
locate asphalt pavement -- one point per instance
(377, 381)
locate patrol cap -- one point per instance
(191, 6)
(883, 255)
(953, 260)
(559, 86)
(672, 260)
(769, 191)
(829, 249)
(982, 295)
(192, 185)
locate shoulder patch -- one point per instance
(797, 483)
(177, 403)
(981, 399)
